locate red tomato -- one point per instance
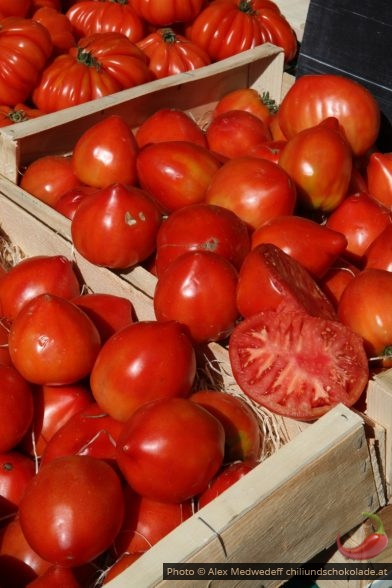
(25, 47)
(142, 362)
(15, 7)
(270, 150)
(50, 274)
(184, 293)
(248, 99)
(319, 161)
(121, 564)
(16, 407)
(109, 312)
(379, 253)
(298, 365)
(16, 469)
(52, 341)
(255, 189)
(277, 30)
(99, 65)
(379, 177)
(170, 449)
(59, 27)
(54, 577)
(5, 358)
(203, 227)
(242, 431)
(105, 154)
(79, 502)
(176, 173)
(314, 246)
(361, 219)
(16, 114)
(88, 17)
(313, 98)
(49, 177)
(70, 200)
(225, 478)
(235, 132)
(365, 308)
(167, 12)
(336, 278)
(271, 279)
(169, 124)
(116, 227)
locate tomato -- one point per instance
(270, 150)
(52, 341)
(170, 53)
(336, 278)
(54, 577)
(116, 227)
(70, 200)
(242, 431)
(184, 293)
(142, 362)
(176, 173)
(121, 564)
(109, 312)
(313, 245)
(51, 274)
(5, 358)
(361, 219)
(59, 27)
(270, 279)
(365, 307)
(16, 469)
(235, 132)
(25, 47)
(225, 478)
(277, 30)
(105, 154)
(203, 227)
(79, 502)
(379, 177)
(379, 253)
(18, 113)
(88, 17)
(49, 177)
(148, 449)
(16, 407)
(15, 7)
(248, 99)
(169, 124)
(319, 161)
(315, 97)
(298, 365)
(99, 65)
(255, 189)
(167, 12)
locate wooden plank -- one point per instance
(296, 13)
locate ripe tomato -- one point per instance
(313, 245)
(319, 161)
(198, 289)
(10, 115)
(16, 407)
(109, 312)
(336, 278)
(298, 365)
(148, 449)
(56, 576)
(5, 358)
(15, 7)
(242, 431)
(52, 341)
(203, 227)
(379, 253)
(121, 564)
(313, 98)
(167, 12)
(16, 469)
(176, 173)
(169, 124)
(248, 99)
(79, 502)
(225, 478)
(99, 65)
(255, 189)
(277, 29)
(379, 177)
(59, 27)
(70, 200)
(270, 150)
(105, 154)
(48, 178)
(25, 47)
(235, 132)
(51, 274)
(142, 362)
(269, 278)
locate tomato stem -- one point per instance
(246, 6)
(86, 58)
(169, 36)
(269, 102)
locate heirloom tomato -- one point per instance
(169, 124)
(59, 27)
(248, 99)
(255, 189)
(167, 12)
(56, 576)
(25, 48)
(277, 29)
(270, 150)
(48, 178)
(16, 469)
(79, 502)
(379, 177)
(16, 114)
(16, 407)
(15, 7)
(5, 358)
(225, 478)
(109, 312)
(336, 278)
(99, 65)
(379, 253)
(170, 53)
(70, 200)
(170, 449)
(298, 365)
(315, 97)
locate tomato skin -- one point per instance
(16, 407)
(379, 253)
(166, 12)
(55, 576)
(15, 7)
(142, 362)
(313, 245)
(183, 293)
(169, 124)
(80, 503)
(270, 150)
(148, 453)
(225, 478)
(123, 218)
(121, 564)
(176, 173)
(109, 312)
(51, 274)
(255, 189)
(278, 30)
(313, 98)
(52, 341)
(16, 114)
(336, 278)
(48, 178)
(273, 360)
(248, 99)
(16, 469)
(59, 27)
(70, 200)
(379, 177)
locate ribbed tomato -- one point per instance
(10, 115)
(166, 12)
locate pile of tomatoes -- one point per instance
(55, 54)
